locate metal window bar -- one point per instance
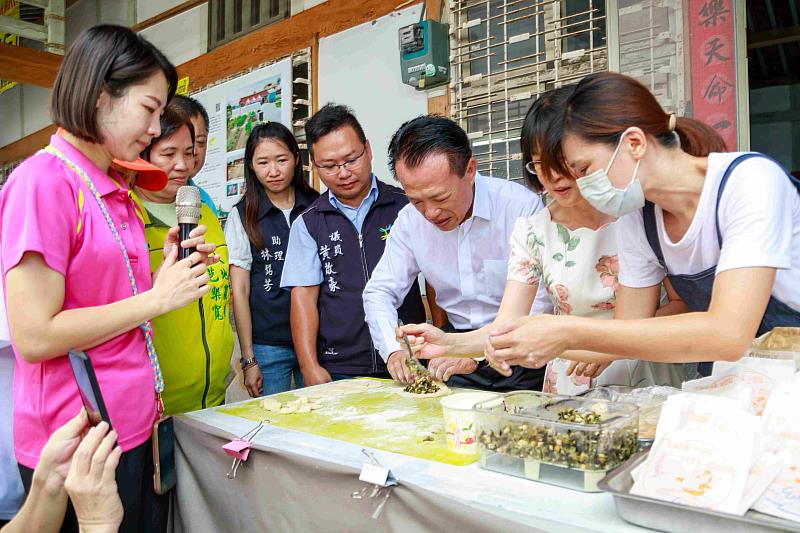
(468, 81)
(230, 19)
(517, 76)
(504, 54)
(651, 48)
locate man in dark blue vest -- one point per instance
(333, 248)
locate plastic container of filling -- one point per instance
(562, 440)
(648, 399)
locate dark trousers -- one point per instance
(145, 510)
(339, 377)
(488, 379)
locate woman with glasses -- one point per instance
(571, 248)
(723, 228)
(257, 233)
(333, 248)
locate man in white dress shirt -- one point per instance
(456, 233)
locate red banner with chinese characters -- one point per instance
(711, 39)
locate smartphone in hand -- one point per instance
(164, 474)
(88, 388)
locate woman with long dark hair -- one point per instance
(723, 228)
(257, 233)
(75, 268)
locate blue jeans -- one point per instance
(278, 364)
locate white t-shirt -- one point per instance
(239, 253)
(759, 219)
(288, 214)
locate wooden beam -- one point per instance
(440, 105)
(26, 65)
(27, 145)
(38, 3)
(282, 38)
(773, 37)
(271, 42)
(432, 10)
(161, 17)
(22, 28)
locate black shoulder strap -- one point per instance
(648, 211)
(651, 232)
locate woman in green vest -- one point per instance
(194, 343)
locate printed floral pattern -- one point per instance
(530, 269)
(608, 268)
(578, 268)
(550, 380)
(556, 380)
(560, 295)
(604, 306)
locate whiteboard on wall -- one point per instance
(360, 68)
(234, 108)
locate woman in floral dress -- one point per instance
(571, 248)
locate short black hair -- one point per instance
(331, 118)
(189, 107)
(104, 57)
(542, 132)
(426, 135)
(171, 121)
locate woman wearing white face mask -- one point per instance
(724, 228)
(571, 248)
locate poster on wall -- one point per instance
(234, 108)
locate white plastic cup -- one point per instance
(459, 420)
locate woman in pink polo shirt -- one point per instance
(75, 262)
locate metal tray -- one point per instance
(666, 516)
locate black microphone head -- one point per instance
(187, 205)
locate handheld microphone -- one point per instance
(187, 207)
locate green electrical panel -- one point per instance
(425, 54)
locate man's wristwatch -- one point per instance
(247, 363)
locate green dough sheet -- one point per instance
(367, 412)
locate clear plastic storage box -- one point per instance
(649, 400)
(562, 440)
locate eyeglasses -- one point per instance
(332, 170)
(530, 168)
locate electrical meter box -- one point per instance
(425, 54)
